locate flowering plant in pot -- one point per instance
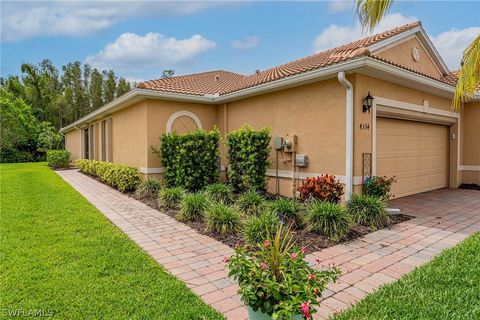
(276, 282)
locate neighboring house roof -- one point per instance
(223, 82)
(199, 83)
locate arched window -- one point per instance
(183, 122)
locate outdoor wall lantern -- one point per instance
(367, 102)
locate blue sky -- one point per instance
(140, 39)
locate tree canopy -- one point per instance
(62, 96)
(44, 99)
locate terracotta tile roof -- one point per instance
(197, 84)
(222, 82)
(452, 79)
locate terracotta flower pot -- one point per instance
(259, 315)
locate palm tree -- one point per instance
(371, 12)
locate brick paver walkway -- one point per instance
(444, 218)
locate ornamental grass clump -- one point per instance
(368, 211)
(219, 192)
(222, 218)
(328, 219)
(288, 210)
(192, 207)
(258, 228)
(148, 189)
(251, 203)
(276, 280)
(169, 198)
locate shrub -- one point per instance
(247, 152)
(148, 188)
(14, 155)
(48, 137)
(287, 210)
(119, 176)
(328, 219)
(19, 129)
(323, 188)
(222, 218)
(257, 229)
(368, 211)
(191, 160)
(192, 207)
(219, 192)
(58, 158)
(379, 187)
(251, 203)
(170, 198)
(277, 279)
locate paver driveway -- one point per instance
(444, 218)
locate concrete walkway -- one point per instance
(445, 217)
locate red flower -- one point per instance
(294, 255)
(305, 309)
(266, 243)
(263, 265)
(318, 261)
(311, 276)
(225, 259)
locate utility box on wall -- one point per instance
(301, 160)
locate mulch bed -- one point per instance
(312, 241)
(469, 186)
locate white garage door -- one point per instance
(415, 152)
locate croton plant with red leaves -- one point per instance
(322, 188)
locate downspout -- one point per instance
(349, 134)
(225, 131)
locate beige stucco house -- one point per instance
(410, 131)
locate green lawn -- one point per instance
(446, 288)
(59, 253)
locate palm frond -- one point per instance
(371, 12)
(469, 74)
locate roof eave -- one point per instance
(130, 98)
(324, 73)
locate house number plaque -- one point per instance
(364, 126)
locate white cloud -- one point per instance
(247, 43)
(335, 35)
(22, 20)
(131, 52)
(335, 6)
(450, 44)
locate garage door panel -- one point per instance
(414, 152)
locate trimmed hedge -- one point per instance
(192, 160)
(119, 176)
(58, 158)
(248, 151)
